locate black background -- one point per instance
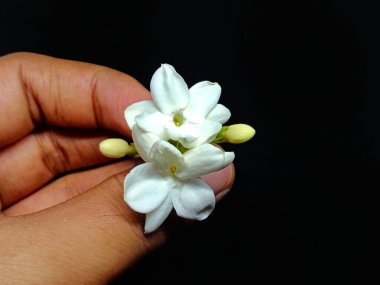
(303, 73)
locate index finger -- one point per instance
(37, 89)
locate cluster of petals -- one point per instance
(170, 178)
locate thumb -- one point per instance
(93, 237)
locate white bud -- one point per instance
(114, 148)
(238, 133)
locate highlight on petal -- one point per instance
(136, 109)
(166, 156)
(219, 114)
(154, 219)
(169, 91)
(154, 123)
(202, 160)
(145, 188)
(203, 98)
(195, 200)
(143, 141)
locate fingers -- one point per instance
(92, 237)
(33, 161)
(37, 89)
(67, 187)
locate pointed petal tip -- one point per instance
(220, 114)
(167, 66)
(229, 157)
(156, 218)
(215, 84)
(148, 230)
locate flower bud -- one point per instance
(115, 148)
(238, 133)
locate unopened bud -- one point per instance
(115, 148)
(238, 133)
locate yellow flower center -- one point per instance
(178, 119)
(173, 168)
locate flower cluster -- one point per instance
(173, 134)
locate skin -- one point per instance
(62, 215)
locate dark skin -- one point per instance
(63, 219)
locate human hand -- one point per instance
(63, 219)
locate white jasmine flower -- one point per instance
(171, 179)
(190, 116)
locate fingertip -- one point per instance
(221, 181)
(84, 95)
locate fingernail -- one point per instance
(220, 195)
(221, 180)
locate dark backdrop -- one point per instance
(303, 73)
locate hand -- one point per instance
(62, 215)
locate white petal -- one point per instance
(202, 160)
(169, 91)
(154, 123)
(145, 188)
(164, 155)
(201, 85)
(203, 98)
(143, 141)
(132, 111)
(195, 200)
(220, 114)
(186, 133)
(206, 132)
(154, 219)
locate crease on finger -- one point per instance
(37, 115)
